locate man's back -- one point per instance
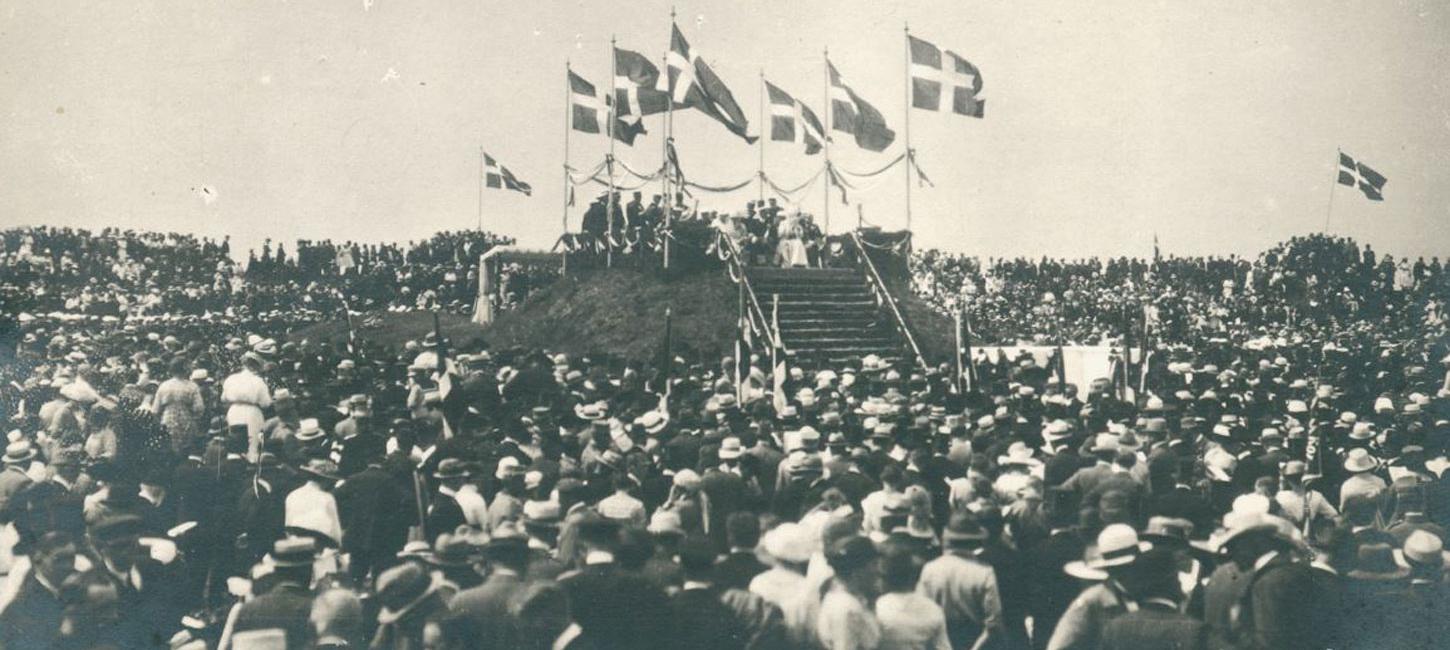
(286, 607)
(1154, 626)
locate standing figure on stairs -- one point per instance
(791, 251)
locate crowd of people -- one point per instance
(1318, 278)
(126, 273)
(1275, 482)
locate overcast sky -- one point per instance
(1214, 125)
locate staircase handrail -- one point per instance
(883, 296)
(727, 252)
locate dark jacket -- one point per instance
(737, 569)
(1154, 626)
(626, 611)
(32, 620)
(285, 607)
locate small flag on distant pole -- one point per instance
(1354, 174)
(497, 176)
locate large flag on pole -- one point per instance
(636, 81)
(588, 106)
(854, 115)
(499, 177)
(793, 121)
(1353, 173)
(692, 83)
(929, 76)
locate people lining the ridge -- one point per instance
(207, 482)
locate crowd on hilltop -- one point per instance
(126, 273)
(1321, 279)
(1274, 482)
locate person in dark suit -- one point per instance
(33, 618)
(1156, 623)
(724, 487)
(485, 607)
(617, 610)
(376, 506)
(1281, 599)
(445, 515)
(740, 565)
(701, 620)
(288, 604)
(546, 621)
(149, 592)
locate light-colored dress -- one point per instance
(246, 394)
(179, 405)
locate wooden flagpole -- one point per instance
(568, 185)
(906, 43)
(826, 90)
(609, 162)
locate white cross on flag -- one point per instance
(792, 121)
(499, 177)
(1369, 181)
(587, 105)
(691, 82)
(928, 75)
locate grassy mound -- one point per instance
(622, 312)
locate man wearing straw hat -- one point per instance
(1082, 625)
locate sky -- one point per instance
(1212, 125)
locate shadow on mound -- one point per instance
(621, 312)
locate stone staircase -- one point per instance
(828, 317)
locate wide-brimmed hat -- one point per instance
(1239, 523)
(730, 448)
(1171, 531)
(963, 529)
(1018, 453)
(308, 430)
(451, 550)
(1104, 442)
(1361, 431)
(452, 468)
(293, 551)
(402, 588)
(1118, 545)
(1360, 460)
(1376, 561)
(508, 466)
(20, 451)
(321, 468)
(653, 422)
(1423, 548)
(789, 542)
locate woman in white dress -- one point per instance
(792, 248)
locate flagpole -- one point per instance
(761, 170)
(568, 186)
(906, 42)
(482, 182)
(609, 162)
(666, 200)
(1334, 180)
(826, 91)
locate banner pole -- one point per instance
(609, 162)
(482, 182)
(826, 92)
(906, 42)
(1334, 180)
(760, 198)
(568, 186)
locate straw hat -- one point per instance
(1423, 548)
(1360, 460)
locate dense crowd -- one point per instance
(1326, 280)
(207, 483)
(125, 273)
